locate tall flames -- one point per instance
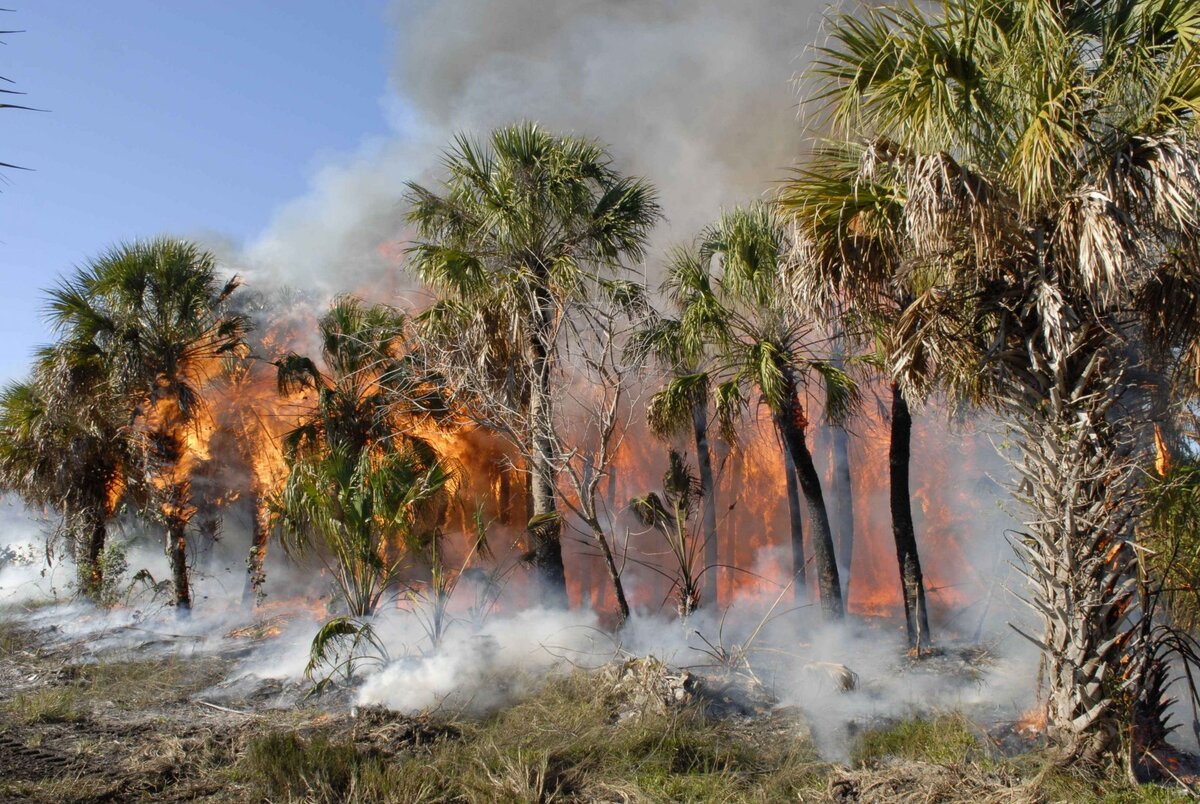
(753, 528)
(239, 444)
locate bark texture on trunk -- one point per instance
(614, 574)
(177, 552)
(546, 529)
(1079, 479)
(91, 572)
(254, 591)
(708, 499)
(912, 584)
(843, 491)
(796, 521)
(791, 424)
(843, 488)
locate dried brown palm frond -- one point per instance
(1095, 248)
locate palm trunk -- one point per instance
(177, 551)
(791, 423)
(912, 586)
(843, 492)
(796, 522)
(253, 592)
(708, 498)
(91, 573)
(545, 529)
(843, 488)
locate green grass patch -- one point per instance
(562, 743)
(50, 705)
(944, 740)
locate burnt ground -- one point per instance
(155, 720)
(133, 724)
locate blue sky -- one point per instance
(170, 116)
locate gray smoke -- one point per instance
(699, 97)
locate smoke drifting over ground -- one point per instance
(697, 97)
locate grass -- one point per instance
(559, 743)
(130, 686)
(944, 740)
(49, 705)
(142, 684)
(12, 637)
(285, 767)
(1112, 787)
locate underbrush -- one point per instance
(562, 743)
(954, 741)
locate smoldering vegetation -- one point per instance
(645, 452)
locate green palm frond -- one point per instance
(671, 409)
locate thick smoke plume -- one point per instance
(698, 97)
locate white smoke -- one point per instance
(698, 97)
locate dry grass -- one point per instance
(562, 743)
(943, 759)
(138, 685)
(12, 637)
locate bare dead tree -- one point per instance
(599, 407)
(575, 432)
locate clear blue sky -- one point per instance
(169, 116)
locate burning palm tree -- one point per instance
(362, 489)
(521, 231)
(851, 269)
(360, 482)
(150, 319)
(758, 342)
(64, 444)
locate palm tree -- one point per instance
(358, 508)
(64, 445)
(250, 415)
(670, 515)
(1043, 162)
(758, 341)
(851, 270)
(371, 388)
(150, 316)
(681, 405)
(522, 230)
(361, 489)
(357, 475)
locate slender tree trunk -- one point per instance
(796, 522)
(708, 498)
(256, 575)
(843, 490)
(843, 487)
(791, 424)
(91, 572)
(912, 585)
(614, 574)
(177, 551)
(545, 530)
